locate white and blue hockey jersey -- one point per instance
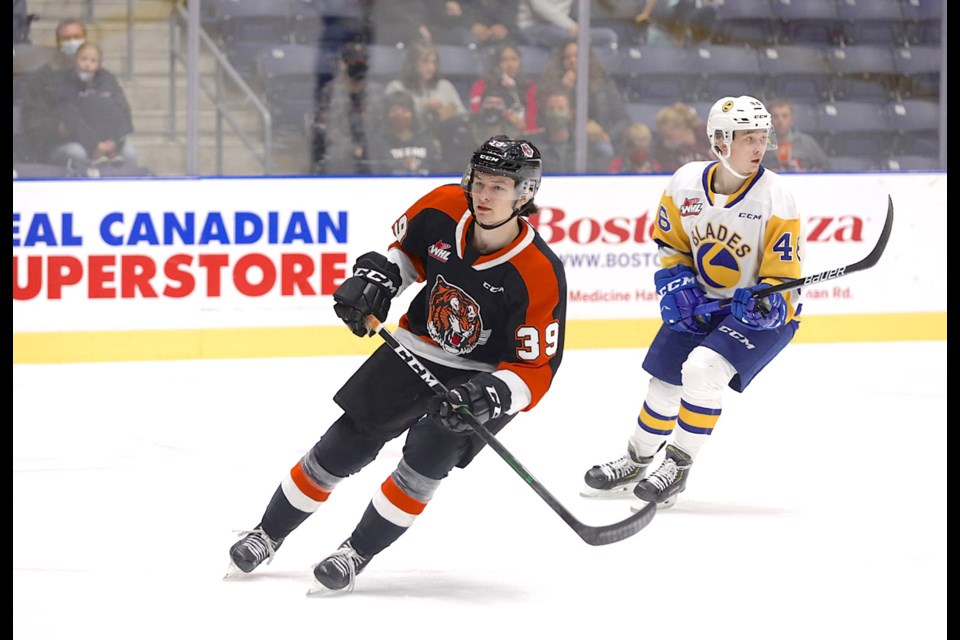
(739, 240)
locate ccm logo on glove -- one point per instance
(375, 276)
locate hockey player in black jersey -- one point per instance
(489, 321)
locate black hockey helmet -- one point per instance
(504, 156)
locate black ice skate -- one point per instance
(613, 479)
(250, 551)
(340, 569)
(663, 485)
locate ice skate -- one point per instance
(250, 551)
(338, 570)
(615, 479)
(669, 480)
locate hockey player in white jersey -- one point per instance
(724, 229)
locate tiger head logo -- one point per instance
(454, 319)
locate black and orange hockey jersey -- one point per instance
(503, 312)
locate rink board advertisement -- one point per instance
(224, 253)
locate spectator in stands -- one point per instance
(556, 139)
(635, 152)
(43, 125)
(435, 97)
(549, 23)
(457, 135)
(95, 114)
(607, 117)
(796, 151)
(677, 22)
(506, 71)
(680, 137)
(402, 147)
(349, 109)
(477, 23)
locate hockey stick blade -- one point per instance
(593, 535)
(870, 260)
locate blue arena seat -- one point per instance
(918, 69)
(249, 26)
(291, 77)
(863, 72)
(924, 20)
(745, 22)
(656, 73)
(610, 60)
(808, 21)
(727, 70)
(533, 60)
(853, 164)
(306, 22)
(22, 170)
(856, 129)
(461, 65)
(385, 62)
(797, 72)
(872, 22)
(916, 124)
(913, 163)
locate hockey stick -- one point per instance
(872, 258)
(605, 534)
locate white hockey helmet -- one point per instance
(743, 113)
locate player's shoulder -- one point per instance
(693, 169)
(448, 199)
(539, 252)
(773, 182)
(691, 173)
(775, 191)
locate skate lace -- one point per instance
(346, 559)
(259, 544)
(619, 468)
(664, 476)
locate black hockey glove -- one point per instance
(374, 283)
(484, 396)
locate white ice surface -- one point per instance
(817, 509)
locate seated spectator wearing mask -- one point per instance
(42, 122)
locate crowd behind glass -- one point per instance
(410, 88)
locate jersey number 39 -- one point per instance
(530, 342)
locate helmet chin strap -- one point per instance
(490, 227)
(726, 164)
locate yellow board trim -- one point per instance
(290, 342)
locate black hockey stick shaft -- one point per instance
(872, 258)
(599, 535)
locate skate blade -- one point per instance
(639, 504)
(233, 571)
(622, 491)
(318, 590)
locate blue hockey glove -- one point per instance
(484, 396)
(679, 296)
(374, 283)
(765, 312)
